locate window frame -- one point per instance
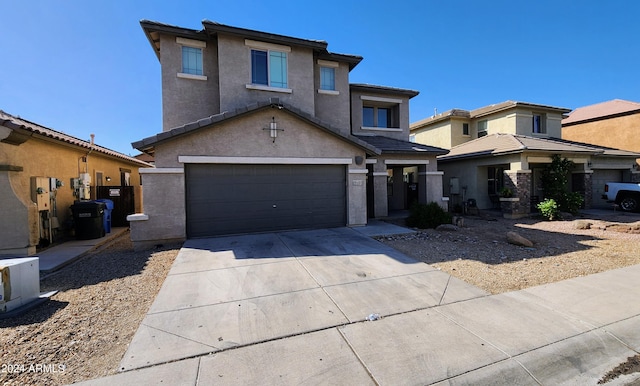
(324, 65)
(485, 131)
(465, 129)
(541, 124)
(194, 45)
(272, 51)
(391, 105)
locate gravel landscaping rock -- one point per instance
(480, 254)
(83, 331)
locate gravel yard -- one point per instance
(478, 252)
(83, 331)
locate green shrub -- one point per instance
(549, 209)
(427, 216)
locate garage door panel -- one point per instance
(227, 199)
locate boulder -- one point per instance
(582, 224)
(516, 239)
(447, 228)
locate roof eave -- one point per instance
(213, 28)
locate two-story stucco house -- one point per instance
(264, 132)
(507, 145)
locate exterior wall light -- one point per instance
(273, 129)
(108, 179)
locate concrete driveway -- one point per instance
(293, 308)
(230, 292)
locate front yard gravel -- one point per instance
(83, 331)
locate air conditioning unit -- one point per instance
(19, 282)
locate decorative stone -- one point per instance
(447, 228)
(582, 224)
(516, 239)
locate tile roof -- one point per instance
(147, 145)
(500, 144)
(601, 111)
(482, 111)
(383, 89)
(29, 129)
(210, 28)
(390, 145)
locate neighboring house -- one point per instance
(614, 124)
(507, 145)
(264, 132)
(42, 173)
(145, 158)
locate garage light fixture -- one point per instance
(273, 129)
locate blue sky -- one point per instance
(85, 67)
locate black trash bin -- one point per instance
(88, 218)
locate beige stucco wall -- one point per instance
(235, 74)
(618, 133)
(241, 137)
(187, 100)
(334, 109)
(438, 135)
(46, 158)
(403, 113)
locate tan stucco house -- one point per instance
(614, 124)
(264, 132)
(507, 145)
(43, 172)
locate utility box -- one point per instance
(40, 188)
(19, 282)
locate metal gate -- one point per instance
(123, 202)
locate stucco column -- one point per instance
(430, 187)
(380, 204)
(398, 195)
(357, 193)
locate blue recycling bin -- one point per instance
(107, 213)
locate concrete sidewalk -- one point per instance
(336, 307)
(58, 256)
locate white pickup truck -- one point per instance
(626, 195)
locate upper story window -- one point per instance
(377, 117)
(192, 58)
(379, 113)
(269, 66)
(482, 128)
(465, 129)
(538, 124)
(327, 78)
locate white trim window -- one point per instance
(269, 66)
(538, 124)
(192, 58)
(327, 78)
(482, 128)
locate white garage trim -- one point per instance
(161, 170)
(406, 162)
(195, 159)
(358, 171)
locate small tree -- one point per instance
(555, 184)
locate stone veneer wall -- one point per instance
(520, 184)
(588, 190)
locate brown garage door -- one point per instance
(228, 199)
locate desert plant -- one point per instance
(555, 184)
(549, 209)
(427, 216)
